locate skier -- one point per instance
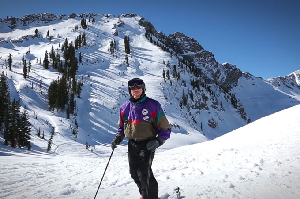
(143, 122)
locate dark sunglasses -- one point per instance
(136, 83)
(136, 86)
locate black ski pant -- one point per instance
(140, 161)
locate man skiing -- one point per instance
(143, 122)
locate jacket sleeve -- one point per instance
(163, 125)
(121, 124)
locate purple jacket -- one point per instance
(143, 120)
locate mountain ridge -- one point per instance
(201, 97)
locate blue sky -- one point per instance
(258, 36)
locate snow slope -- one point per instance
(262, 98)
(260, 160)
(289, 85)
(104, 76)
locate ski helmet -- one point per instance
(136, 82)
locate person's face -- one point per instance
(136, 92)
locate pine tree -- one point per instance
(50, 140)
(57, 56)
(46, 61)
(126, 43)
(53, 95)
(52, 53)
(83, 24)
(36, 32)
(63, 93)
(68, 113)
(41, 84)
(5, 106)
(74, 132)
(76, 44)
(24, 67)
(24, 133)
(64, 47)
(60, 67)
(49, 144)
(168, 74)
(112, 46)
(72, 61)
(72, 103)
(79, 88)
(184, 98)
(83, 39)
(126, 60)
(29, 66)
(4, 97)
(80, 57)
(76, 124)
(39, 132)
(53, 57)
(79, 38)
(191, 95)
(178, 76)
(9, 61)
(174, 71)
(58, 94)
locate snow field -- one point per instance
(260, 160)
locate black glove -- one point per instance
(153, 144)
(116, 141)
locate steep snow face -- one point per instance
(259, 160)
(290, 84)
(259, 98)
(103, 74)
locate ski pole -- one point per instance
(104, 172)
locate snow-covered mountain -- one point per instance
(203, 100)
(289, 85)
(201, 96)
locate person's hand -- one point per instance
(153, 144)
(116, 141)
